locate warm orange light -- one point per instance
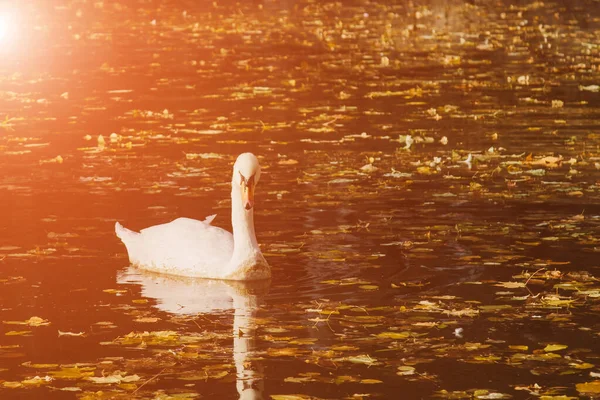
(4, 26)
(8, 28)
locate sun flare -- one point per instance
(7, 27)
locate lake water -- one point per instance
(429, 202)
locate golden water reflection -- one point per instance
(189, 296)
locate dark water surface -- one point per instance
(399, 269)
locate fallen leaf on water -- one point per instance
(582, 365)
(368, 168)
(71, 389)
(589, 387)
(114, 291)
(518, 347)
(285, 352)
(345, 379)
(56, 160)
(78, 334)
(511, 285)
(193, 156)
(556, 301)
(37, 381)
(368, 287)
(555, 347)
(74, 372)
(360, 359)
(370, 381)
(17, 333)
(394, 335)
(148, 320)
(549, 161)
(29, 364)
(33, 321)
(405, 370)
(589, 88)
(575, 193)
(157, 338)
(115, 378)
(493, 395)
(299, 379)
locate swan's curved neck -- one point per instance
(244, 237)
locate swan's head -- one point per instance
(246, 173)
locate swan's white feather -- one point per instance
(184, 247)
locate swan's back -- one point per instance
(184, 247)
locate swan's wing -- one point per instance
(187, 246)
(184, 223)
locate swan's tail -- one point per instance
(124, 234)
(130, 239)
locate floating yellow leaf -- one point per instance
(364, 319)
(147, 320)
(360, 359)
(510, 285)
(555, 347)
(115, 291)
(405, 370)
(425, 170)
(369, 287)
(518, 347)
(115, 378)
(344, 348)
(37, 381)
(556, 301)
(28, 364)
(285, 352)
(192, 156)
(475, 346)
(74, 372)
(288, 162)
(345, 379)
(33, 321)
(582, 365)
(301, 341)
(394, 335)
(589, 387)
(76, 334)
(12, 385)
(157, 338)
(71, 389)
(489, 358)
(17, 333)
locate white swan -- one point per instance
(195, 248)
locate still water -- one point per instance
(428, 203)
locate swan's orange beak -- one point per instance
(248, 194)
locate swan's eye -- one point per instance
(242, 179)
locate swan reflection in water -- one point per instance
(191, 296)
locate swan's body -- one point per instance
(195, 248)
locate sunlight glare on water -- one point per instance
(8, 27)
